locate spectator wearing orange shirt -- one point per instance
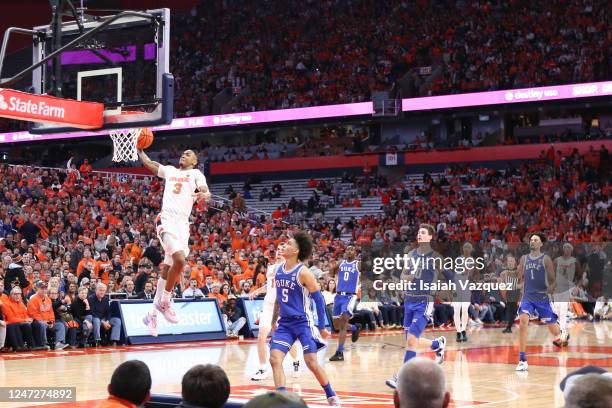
(199, 272)
(87, 263)
(132, 252)
(277, 214)
(18, 323)
(103, 266)
(216, 293)
(85, 168)
(40, 309)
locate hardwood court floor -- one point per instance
(479, 373)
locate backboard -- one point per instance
(123, 64)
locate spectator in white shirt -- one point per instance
(193, 291)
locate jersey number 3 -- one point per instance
(177, 188)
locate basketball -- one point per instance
(145, 139)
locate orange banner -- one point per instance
(49, 109)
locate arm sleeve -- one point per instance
(317, 297)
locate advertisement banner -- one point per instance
(48, 109)
(196, 316)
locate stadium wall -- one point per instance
(415, 162)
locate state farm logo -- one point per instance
(40, 108)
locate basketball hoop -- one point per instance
(125, 141)
(124, 144)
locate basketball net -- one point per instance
(124, 144)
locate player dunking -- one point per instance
(265, 321)
(418, 303)
(295, 287)
(183, 187)
(345, 300)
(538, 276)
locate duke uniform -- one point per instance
(535, 295)
(418, 304)
(296, 320)
(346, 290)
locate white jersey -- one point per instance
(179, 187)
(270, 297)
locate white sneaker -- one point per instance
(150, 320)
(334, 401)
(60, 346)
(522, 366)
(165, 308)
(260, 375)
(440, 351)
(296, 369)
(392, 382)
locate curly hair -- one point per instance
(304, 243)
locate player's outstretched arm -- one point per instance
(153, 166)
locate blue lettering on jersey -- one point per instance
(348, 277)
(535, 279)
(293, 298)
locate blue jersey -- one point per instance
(422, 268)
(535, 279)
(348, 277)
(293, 298)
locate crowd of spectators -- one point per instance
(295, 54)
(70, 239)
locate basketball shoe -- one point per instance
(440, 350)
(165, 308)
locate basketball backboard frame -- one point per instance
(81, 34)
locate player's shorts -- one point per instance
(417, 314)
(543, 307)
(344, 304)
(173, 236)
(291, 329)
(265, 318)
